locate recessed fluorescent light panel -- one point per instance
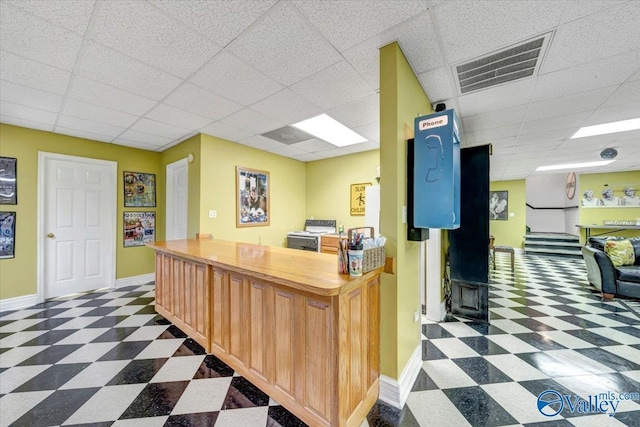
(330, 130)
(606, 128)
(574, 165)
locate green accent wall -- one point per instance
(596, 215)
(18, 275)
(511, 232)
(218, 162)
(328, 186)
(401, 100)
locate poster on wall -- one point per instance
(139, 228)
(611, 198)
(7, 234)
(139, 189)
(499, 205)
(8, 181)
(357, 200)
(252, 197)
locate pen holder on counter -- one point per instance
(372, 257)
(355, 260)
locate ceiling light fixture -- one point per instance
(605, 128)
(330, 130)
(574, 165)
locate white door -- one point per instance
(77, 202)
(177, 192)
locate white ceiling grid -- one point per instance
(149, 74)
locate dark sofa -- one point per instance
(609, 279)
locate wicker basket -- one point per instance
(371, 258)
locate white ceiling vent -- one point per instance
(513, 63)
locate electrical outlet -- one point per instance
(213, 214)
(404, 214)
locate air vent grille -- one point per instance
(514, 63)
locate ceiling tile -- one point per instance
(27, 113)
(197, 100)
(567, 121)
(287, 106)
(498, 97)
(370, 131)
(574, 103)
(176, 117)
(281, 37)
(602, 73)
(626, 93)
(313, 145)
(506, 23)
(106, 96)
(221, 20)
(116, 69)
(228, 76)
(437, 84)
(593, 37)
(612, 114)
(336, 152)
(145, 138)
(486, 136)
(307, 157)
(29, 97)
(347, 23)
(15, 121)
(359, 113)
(89, 126)
(252, 121)
(134, 144)
(286, 151)
(83, 134)
(261, 143)
(545, 135)
(73, 15)
(98, 114)
(494, 119)
(159, 128)
(333, 86)
(363, 146)
(33, 74)
(141, 31)
(31, 37)
(225, 131)
(365, 59)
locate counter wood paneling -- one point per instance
(284, 319)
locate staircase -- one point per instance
(552, 244)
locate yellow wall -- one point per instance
(617, 181)
(401, 100)
(18, 275)
(178, 152)
(511, 232)
(329, 185)
(218, 192)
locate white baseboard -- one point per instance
(18, 302)
(443, 310)
(395, 393)
(135, 280)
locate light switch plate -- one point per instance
(213, 214)
(404, 214)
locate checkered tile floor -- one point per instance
(106, 358)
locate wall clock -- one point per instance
(571, 185)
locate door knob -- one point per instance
(51, 235)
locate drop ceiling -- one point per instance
(149, 74)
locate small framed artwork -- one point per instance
(499, 205)
(139, 228)
(139, 190)
(357, 203)
(252, 197)
(7, 234)
(8, 181)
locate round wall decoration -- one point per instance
(571, 185)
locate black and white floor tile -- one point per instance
(107, 359)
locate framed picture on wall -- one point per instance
(8, 181)
(252, 197)
(7, 234)
(139, 190)
(139, 228)
(499, 205)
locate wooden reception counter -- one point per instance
(283, 318)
